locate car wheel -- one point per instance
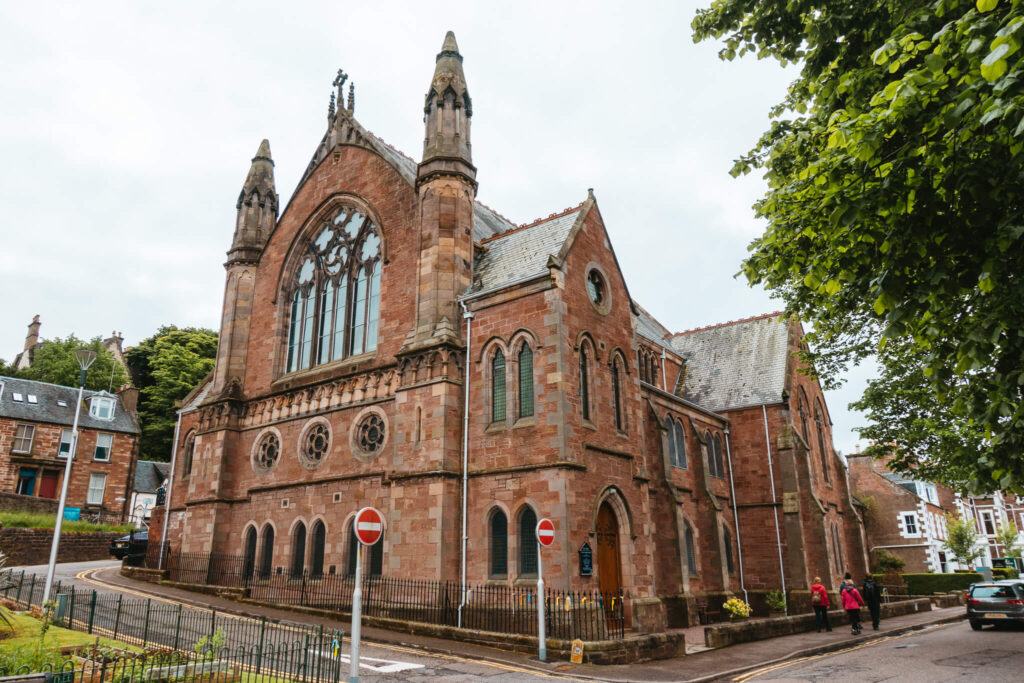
(976, 625)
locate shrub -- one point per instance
(884, 561)
(736, 608)
(926, 584)
(776, 600)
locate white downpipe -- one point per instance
(468, 315)
(664, 377)
(735, 510)
(170, 490)
(775, 505)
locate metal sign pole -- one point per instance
(541, 636)
(357, 618)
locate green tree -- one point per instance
(166, 367)
(55, 362)
(1007, 537)
(893, 210)
(962, 539)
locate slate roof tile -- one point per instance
(522, 252)
(47, 408)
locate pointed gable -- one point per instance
(736, 364)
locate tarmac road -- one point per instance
(949, 652)
(379, 662)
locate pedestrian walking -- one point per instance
(820, 603)
(873, 599)
(852, 602)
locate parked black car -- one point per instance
(131, 547)
(996, 602)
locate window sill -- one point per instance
(496, 427)
(621, 434)
(589, 425)
(530, 421)
(525, 580)
(350, 365)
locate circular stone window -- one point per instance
(369, 435)
(314, 444)
(267, 452)
(597, 288)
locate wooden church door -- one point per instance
(608, 569)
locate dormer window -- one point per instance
(101, 407)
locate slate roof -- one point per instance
(649, 328)
(522, 252)
(47, 408)
(149, 475)
(736, 364)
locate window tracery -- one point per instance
(267, 452)
(370, 434)
(314, 444)
(335, 296)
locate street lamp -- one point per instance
(85, 358)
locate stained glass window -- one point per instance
(330, 320)
(498, 387)
(525, 382)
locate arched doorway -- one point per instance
(609, 571)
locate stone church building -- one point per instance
(383, 328)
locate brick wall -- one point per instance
(27, 547)
(14, 501)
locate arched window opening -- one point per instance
(498, 387)
(527, 542)
(641, 363)
(584, 384)
(804, 412)
(376, 553)
(298, 550)
(499, 545)
(189, 454)
(266, 552)
(249, 554)
(617, 395)
(819, 424)
(727, 540)
(677, 443)
(335, 296)
(525, 381)
(691, 551)
(316, 555)
(719, 460)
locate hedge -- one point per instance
(927, 584)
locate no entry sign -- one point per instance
(545, 532)
(369, 526)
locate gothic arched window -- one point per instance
(249, 558)
(335, 296)
(299, 550)
(499, 544)
(584, 384)
(819, 424)
(266, 561)
(677, 444)
(316, 555)
(525, 381)
(189, 455)
(498, 387)
(691, 551)
(617, 395)
(527, 542)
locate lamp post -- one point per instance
(85, 358)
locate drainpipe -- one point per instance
(468, 315)
(170, 489)
(735, 507)
(775, 506)
(664, 377)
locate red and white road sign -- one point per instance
(369, 526)
(545, 532)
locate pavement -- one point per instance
(707, 665)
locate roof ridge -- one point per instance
(495, 212)
(49, 384)
(726, 324)
(535, 223)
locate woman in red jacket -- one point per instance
(819, 601)
(852, 602)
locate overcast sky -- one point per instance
(126, 130)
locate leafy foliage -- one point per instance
(776, 600)
(962, 539)
(894, 166)
(54, 362)
(885, 561)
(166, 367)
(1007, 537)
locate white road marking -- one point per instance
(387, 666)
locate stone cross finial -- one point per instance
(339, 83)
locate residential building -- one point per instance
(149, 478)
(36, 422)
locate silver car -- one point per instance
(995, 602)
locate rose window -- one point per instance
(315, 445)
(370, 434)
(268, 452)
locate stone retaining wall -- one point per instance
(723, 635)
(16, 501)
(26, 547)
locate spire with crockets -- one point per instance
(257, 209)
(446, 115)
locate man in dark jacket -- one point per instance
(873, 599)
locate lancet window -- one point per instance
(335, 296)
